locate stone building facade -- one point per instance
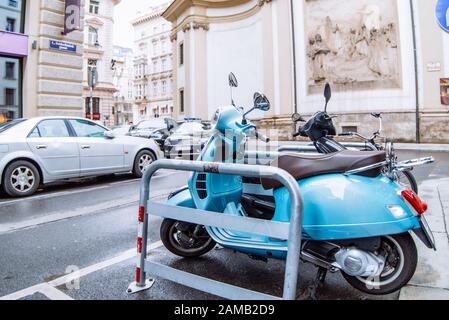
(41, 68)
(153, 64)
(98, 54)
(124, 82)
(383, 56)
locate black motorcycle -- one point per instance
(321, 130)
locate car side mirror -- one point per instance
(109, 134)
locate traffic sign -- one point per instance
(442, 12)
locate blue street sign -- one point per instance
(62, 46)
(442, 12)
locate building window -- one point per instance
(10, 97)
(94, 6)
(10, 70)
(13, 3)
(164, 87)
(11, 15)
(164, 64)
(10, 89)
(10, 25)
(155, 67)
(93, 36)
(155, 51)
(155, 91)
(181, 53)
(181, 101)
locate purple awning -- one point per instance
(13, 44)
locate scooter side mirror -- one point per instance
(327, 95)
(261, 102)
(233, 83)
(296, 117)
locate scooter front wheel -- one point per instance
(401, 258)
(185, 240)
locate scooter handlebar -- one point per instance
(262, 137)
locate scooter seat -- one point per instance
(306, 166)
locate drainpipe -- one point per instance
(415, 52)
(295, 84)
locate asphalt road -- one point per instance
(90, 226)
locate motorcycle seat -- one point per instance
(307, 166)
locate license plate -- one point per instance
(426, 229)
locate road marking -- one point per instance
(84, 189)
(131, 253)
(101, 207)
(49, 288)
(44, 288)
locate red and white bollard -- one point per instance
(141, 282)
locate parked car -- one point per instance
(147, 127)
(37, 151)
(187, 141)
(122, 130)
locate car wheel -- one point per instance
(21, 179)
(143, 159)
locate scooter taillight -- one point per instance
(417, 204)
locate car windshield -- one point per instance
(190, 128)
(151, 124)
(8, 125)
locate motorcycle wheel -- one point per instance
(191, 242)
(401, 258)
(407, 179)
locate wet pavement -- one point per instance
(91, 226)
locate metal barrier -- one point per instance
(289, 231)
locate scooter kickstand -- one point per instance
(318, 283)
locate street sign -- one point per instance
(72, 18)
(442, 12)
(62, 46)
(92, 78)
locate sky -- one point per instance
(123, 14)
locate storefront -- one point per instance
(13, 49)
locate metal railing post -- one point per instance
(293, 232)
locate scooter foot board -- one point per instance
(278, 230)
(216, 288)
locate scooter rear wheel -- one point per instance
(401, 260)
(185, 240)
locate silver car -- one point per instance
(47, 149)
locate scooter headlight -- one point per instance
(215, 118)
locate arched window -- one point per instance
(93, 36)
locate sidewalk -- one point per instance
(431, 280)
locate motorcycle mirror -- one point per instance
(261, 102)
(233, 83)
(296, 117)
(327, 95)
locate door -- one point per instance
(57, 150)
(98, 154)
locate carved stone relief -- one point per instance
(354, 44)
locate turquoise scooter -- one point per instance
(357, 219)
